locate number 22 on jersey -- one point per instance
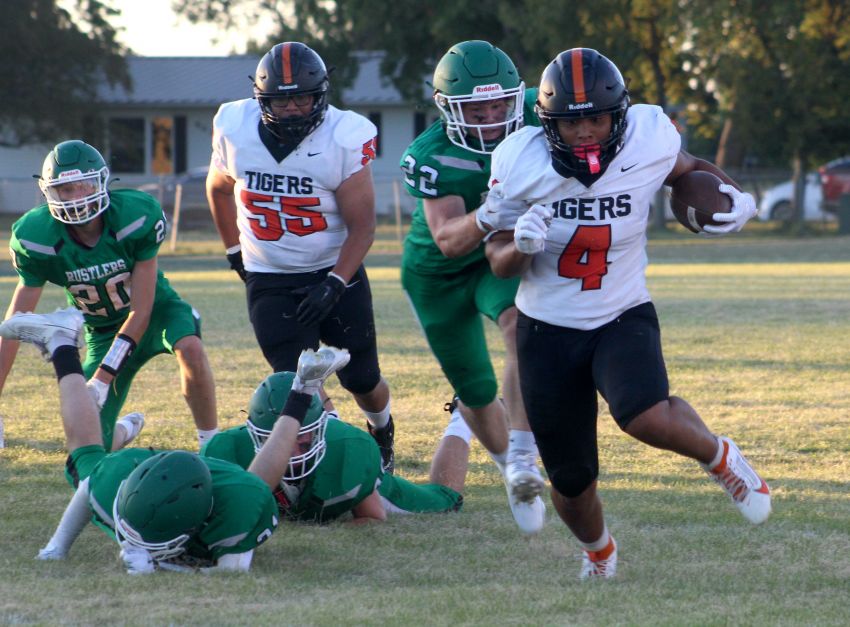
(272, 216)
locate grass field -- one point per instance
(755, 335)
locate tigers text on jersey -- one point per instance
(435, 167)
(288, 218)
(593, 266)
(96, 279)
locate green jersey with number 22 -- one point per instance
(434, 167)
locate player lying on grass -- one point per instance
(170, 510)
(336, 467)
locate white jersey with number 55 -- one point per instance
(593, 265)
(287, 213)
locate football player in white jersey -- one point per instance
(291, 194)
(586, 321)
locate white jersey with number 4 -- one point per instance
(593, 266)
(288, 217)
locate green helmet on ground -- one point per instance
(163, 503)
(477, 71)
(73, 180)
(266, 406)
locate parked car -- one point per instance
(776, 202)
(835, 178)
(194, 189)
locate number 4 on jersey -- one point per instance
(586, 256)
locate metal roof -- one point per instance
(209, 81)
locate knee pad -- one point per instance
(571, 481)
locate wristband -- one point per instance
(297, 404)
(234, 249)
(121, 349)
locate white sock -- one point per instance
(73, 521)
(521, 442)
(501, 459)
(205, 435)
(600, 544)
(718, 456)
(457, 427)
(378, 419)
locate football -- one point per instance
(695, 199)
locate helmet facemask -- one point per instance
(73, 179)
(163, 503)
(310, 446)
(469, 135)
(293, 128)
(265, 408)
(587, 158)
(158, 551)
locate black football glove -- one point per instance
(320, 300)
(235, 260)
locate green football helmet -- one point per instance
(477, 71)
(73, 180)
(163, 503)
(265, 408)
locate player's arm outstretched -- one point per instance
(314, 367)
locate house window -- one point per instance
(375, 118)
(127, 145)
(162, 153)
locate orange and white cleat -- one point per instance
(742, 483)
(600, 564)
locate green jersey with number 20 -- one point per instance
(97, 279)
(435, 167)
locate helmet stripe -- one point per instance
(578, 75)
(286, 62)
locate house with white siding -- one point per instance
(162, 127)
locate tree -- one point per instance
(779, 71)
(51, 66)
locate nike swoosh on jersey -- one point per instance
(313, 154)
(625, 169)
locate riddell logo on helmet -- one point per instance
(487, 89)
(68, 173)
(583, 105)
(287, 87)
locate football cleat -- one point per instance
(530, 516)
(385, 438)
(316, 366)
(523, 477)
(745, 487)
(46, 331)
(599, 564)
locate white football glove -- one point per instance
(136, 560)
(498, 213)
(99, 391)
(531, 228)
(743, 208)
